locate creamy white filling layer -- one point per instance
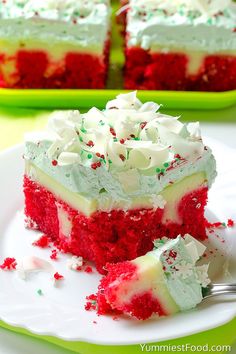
(172, 195)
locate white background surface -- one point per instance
(11, 343)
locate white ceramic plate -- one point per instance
(60, 311)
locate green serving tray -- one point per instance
(85, 98)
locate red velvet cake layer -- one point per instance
(111, 237)
(158, 71)
(75, 70)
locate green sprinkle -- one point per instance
(166, 164)
(39, 292)
(223, 224)
(115, 139)
(83, 130)
(90, 156)
(209, 21)
(110, 161)
(162, 170)
(158, 170)
(136, 138)
(80, 139)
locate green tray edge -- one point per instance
(87, 98)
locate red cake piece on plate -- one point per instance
(103, 185)
(162, 282)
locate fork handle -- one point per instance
(220, 289)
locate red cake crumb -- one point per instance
(91, 303)
(54, 255)
(168, 71)
(9, 264)
(116, 236)
(58, 276)
(230, 223)
(42, 242)
(88, 269)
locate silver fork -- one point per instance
(218, 289)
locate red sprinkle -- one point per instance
(58, 276)
(112, 130)
(9, 264)
(122, 141)
(54, 162)
(54, 255)
(90, 143)
(143, 125)
(88, 269)
(173, 254)
(42, 242)
(230, 223)
(122, 157)
(95, 165)
(177, 156)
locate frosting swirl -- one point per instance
(126, 135)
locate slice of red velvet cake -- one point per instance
(103, 185)
(181, 45)
(54, 43)
(162, 282)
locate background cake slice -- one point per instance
(163, 282)
(54, 43)
(103, 185)
(181, 45)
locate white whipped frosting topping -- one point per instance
(78, 22)
(210, 7)
(199, 25)
(128, 150)
(51, 9)
(127, 135)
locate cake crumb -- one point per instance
(54, 255)
(75, 263)
(230, 223)
(58, 276)
(42, 242)
(91, 303)
(9, 263)
(88, 269)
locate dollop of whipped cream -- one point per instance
(179, 266)
(126, 135)
(205, 7)
(50, 9)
